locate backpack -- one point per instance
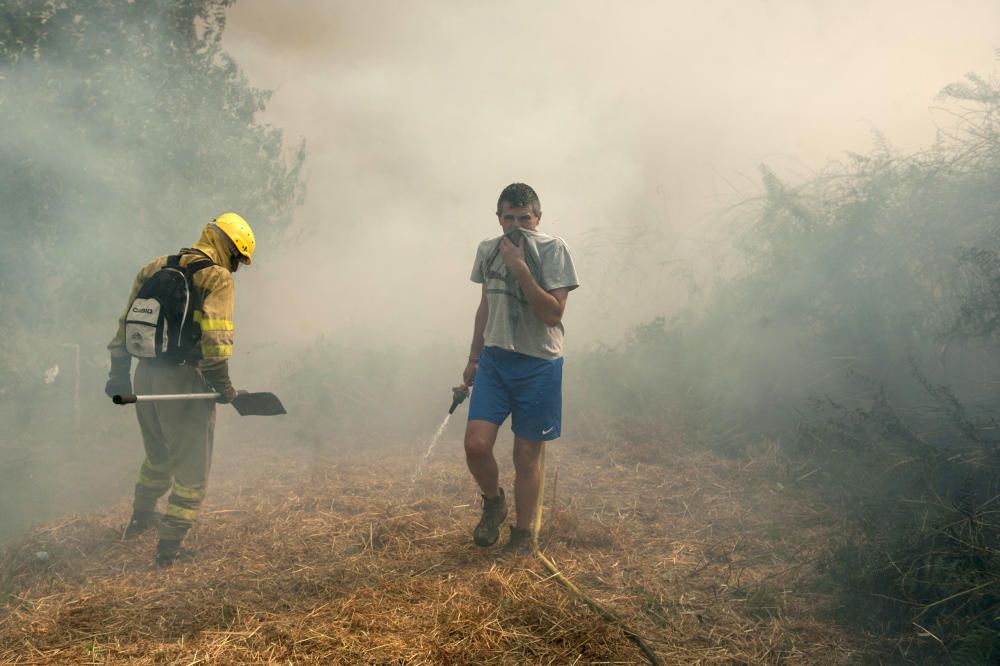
(159, 323)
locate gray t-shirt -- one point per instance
(512, 325)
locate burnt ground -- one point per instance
(324, 555)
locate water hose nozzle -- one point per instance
(460, 394)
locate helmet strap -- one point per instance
(234, 254)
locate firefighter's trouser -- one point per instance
(177, 436)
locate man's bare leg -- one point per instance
(480, 436)
(527, 478)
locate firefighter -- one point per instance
(177, 436)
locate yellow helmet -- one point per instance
(238, 231)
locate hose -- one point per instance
(598, 608)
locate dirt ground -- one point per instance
(320, 555)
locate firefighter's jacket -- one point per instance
(215, 288)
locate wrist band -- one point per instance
(474, 359)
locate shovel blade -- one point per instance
(258, 404)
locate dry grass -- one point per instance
(340, 560)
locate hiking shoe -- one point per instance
(494, 513)
(519, 541)
(169, 551)
(139, 523)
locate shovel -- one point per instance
(247, 404)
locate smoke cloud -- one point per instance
(638, 125)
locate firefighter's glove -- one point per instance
(120, 377)
(227, 395)
(217, 377)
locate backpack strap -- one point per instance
(189, 272)
(197, 294)
(197, 265)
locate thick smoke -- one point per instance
(637, 126)
(781, 229)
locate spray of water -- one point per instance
(459, 395)
(430, 449)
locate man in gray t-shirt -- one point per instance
(512, 324)
(516, 358)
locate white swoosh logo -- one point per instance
(545, 432)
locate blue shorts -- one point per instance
(529, 389)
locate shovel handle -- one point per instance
(129, 398)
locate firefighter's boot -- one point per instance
(140, 522)
(169, 551)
